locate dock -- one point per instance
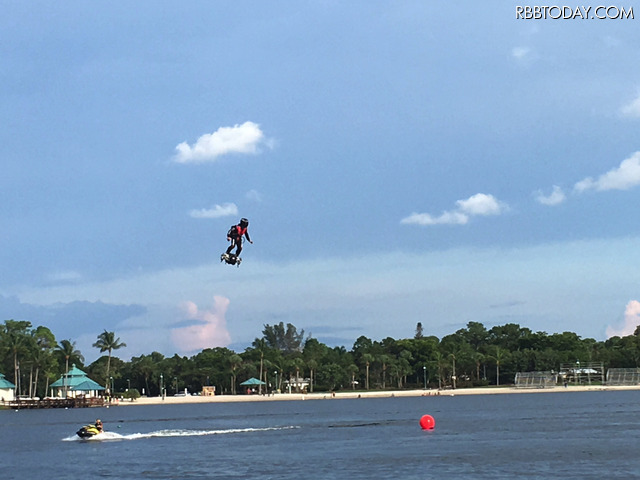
(80, 402)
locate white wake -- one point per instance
(110, 436)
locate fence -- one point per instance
(623, 376)
(582, 373)
(536, 379)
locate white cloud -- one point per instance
(556, 197)
(245, 138)
(479, 204)
(447, 218)
(520, 53)
(632, 109)
(210, 332)
(64, 277)
(631, 321)
(254, 196)
(216, 211)
(626, 176)
(523, 56)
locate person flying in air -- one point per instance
(235, 234)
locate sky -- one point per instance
(399, 162)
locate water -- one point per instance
(534, 436)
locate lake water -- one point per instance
(534, 436)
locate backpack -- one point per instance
(233, 232)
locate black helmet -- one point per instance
(244, 222)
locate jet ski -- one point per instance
(88, 431)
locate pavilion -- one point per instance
(75, 383)
(7, 389)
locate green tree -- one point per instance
(260, 345)
(144, 368)
(15, 339)
(297, 364)
(235, 361)
(44, 343)
(367, 358)
(499, 355)
(331, 375)
(353, 370)
(403, 367)
(107, 342)
(439, 362)
(508, 336)
(384, 361)
(312, 352)
(286, 339)
(456, 349)
(475, 334)
(66, 350)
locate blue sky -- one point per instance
(399, 162)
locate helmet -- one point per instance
(244, 222)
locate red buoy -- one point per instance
(427, 422)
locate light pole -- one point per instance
(276, 382)
(128, 384)
(175, 379)
(424, 370)
(162, 386)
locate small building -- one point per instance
(297, 385)
(7, 390)
(75, 384)
(208, 390)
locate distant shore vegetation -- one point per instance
(285, 360)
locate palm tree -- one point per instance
(384, 360)
(368, 360)
(107, 342)
(260, 344)
(145, 367)
(452, 356)
(313, 366)
(67, 350)
(279, 364)
(498, 357)
(455, 351)
(297, 363)
(235, 361)
(479, 359)
(14, 336)
(353, 369)
(439, 362)
(44, 342)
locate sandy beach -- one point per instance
(370, 394)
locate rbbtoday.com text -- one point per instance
(581, 12)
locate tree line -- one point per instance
(32, 359)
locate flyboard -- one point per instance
(231, 259)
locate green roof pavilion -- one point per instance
(76, 381)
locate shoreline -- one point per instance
(371, 394)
